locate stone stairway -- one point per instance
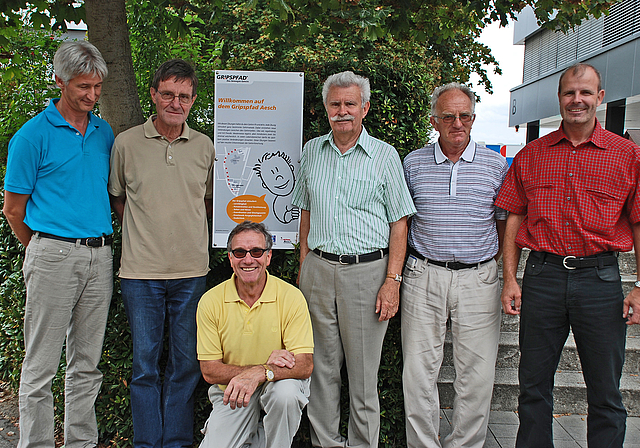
(570, 390)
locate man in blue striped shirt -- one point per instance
(451, 274)
(353, 234)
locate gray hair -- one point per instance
(347, 79)
(78, 58)
(257, 227)
(452, 86)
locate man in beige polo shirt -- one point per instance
(160, 187)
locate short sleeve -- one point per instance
(22, 166)
(398, 201)
(512, 196)
(300, 197)
(209, 344)
(117, 183)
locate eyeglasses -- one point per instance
(169, 96)
(464, 118)
(256, 252)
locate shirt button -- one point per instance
(77, 133)
(573, 152)
(170, 157)
(570, 174)
(568, 198)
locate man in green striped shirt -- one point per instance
(354, 206)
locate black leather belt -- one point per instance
(352, 259)
(453, 265)
(90, 242)
(572, 262)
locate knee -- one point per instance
(286, 394)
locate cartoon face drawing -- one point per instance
(276, 172)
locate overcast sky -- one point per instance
(492, 113)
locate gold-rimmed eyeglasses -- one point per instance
(464, 118)
(169, 96)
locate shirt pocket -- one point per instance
(539, 199)
(600, 210)
(360, 193)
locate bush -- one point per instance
(401, 77)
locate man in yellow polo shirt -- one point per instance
(255, 347)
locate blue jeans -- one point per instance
(163, 415)
(589, 301)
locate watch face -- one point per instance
(270, 375)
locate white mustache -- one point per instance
(337, 118)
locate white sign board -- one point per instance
(258, 141)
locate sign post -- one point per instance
(258, 141)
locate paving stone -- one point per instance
(507, 442)
(508, 417)
(503, 430)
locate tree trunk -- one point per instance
(108, 31)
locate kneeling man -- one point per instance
(255, 347)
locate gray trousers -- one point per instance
(282, 401)
(342, 300)
(68, 295)
(471, 299)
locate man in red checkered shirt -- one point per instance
(572, 198)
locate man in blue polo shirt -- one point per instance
(57, 204)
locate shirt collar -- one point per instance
(150, 130)
(56, 119)
(364, 141)
(468, 154)
(597, 136)
(268, 294)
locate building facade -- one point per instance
(610, 43)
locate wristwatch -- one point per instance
(268, 373)
(396, 277)
(637, 284)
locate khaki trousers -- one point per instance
(282, 401)
(470, 298)
(68, 295)
(342, 301)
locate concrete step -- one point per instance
(569, 391)
(511, 323)
(509, 353)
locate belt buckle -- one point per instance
(95, 241)
(340, 259)
(564, 262)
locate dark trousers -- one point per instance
(589, 301)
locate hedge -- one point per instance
(113, 405)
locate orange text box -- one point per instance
(248, 208)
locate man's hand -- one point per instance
(631, 307)
(388, 299)
(242, 386)
(282, 358)
(511, 297)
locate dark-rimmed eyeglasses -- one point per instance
(464, 118)
(169, 96)
(256, 252)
